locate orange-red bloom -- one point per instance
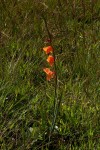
(48, 49)
(50, 60)
(49, 73)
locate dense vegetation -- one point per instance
(36, 114)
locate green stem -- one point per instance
(56, 84)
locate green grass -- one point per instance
(26, 99)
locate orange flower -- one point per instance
(50, 60)
(48, 49)
(49, 73)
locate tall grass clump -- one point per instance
(49, 75)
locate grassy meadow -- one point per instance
(63, 113)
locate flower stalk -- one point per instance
(56, 83)
(51, 74)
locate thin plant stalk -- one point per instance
(56, 84)
(55, 96)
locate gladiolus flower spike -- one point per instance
(50, 74)
(48, 49)
(50, 60)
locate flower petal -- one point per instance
(46, 70)
(49, 74)
(50, 60)
(48, 49)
